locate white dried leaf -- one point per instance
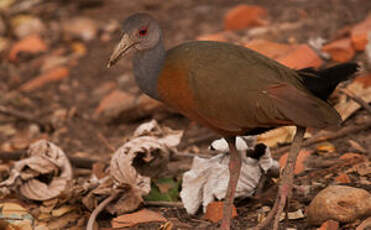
(43, 158)
(167, 136)
(242, 144)
(208, 178)
(147, 128)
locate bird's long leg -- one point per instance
(234, 174)
(286, 183)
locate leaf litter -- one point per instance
(208, 178)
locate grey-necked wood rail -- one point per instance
(232, 90)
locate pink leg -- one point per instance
(234, 172)
(286, 184)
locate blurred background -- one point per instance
(54, 83)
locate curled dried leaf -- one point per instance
(44, 159)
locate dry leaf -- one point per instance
(17, 215)
(276, 136)
(325, 147)
(62, 210)
(359, 87)
(357, 146)
(43, 158)
(132, 219)
(214, 211)
(64, 222)
(208, 178)
(362, 169)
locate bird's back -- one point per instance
(233, 89)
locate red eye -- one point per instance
(143, 32)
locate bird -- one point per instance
(232, 90)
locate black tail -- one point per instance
(323, 82)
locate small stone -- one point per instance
(80, 27)
(329, 225)
(340, 50)
(302, 56)
(243, 16)
(24, 25)
(214, 212)
(53, 75)
(365, 225)
(31, 44)
(359, 34)
(341, 203)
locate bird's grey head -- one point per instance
(140, 32)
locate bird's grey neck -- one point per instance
(147, 66)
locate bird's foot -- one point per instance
(276, 212)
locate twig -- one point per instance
(25, 117)
(77, 162)
(164, 204)
(99, 208)
(105, 142)
(328, 136)
(357, 99)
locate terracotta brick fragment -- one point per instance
(340, 50)
(31, 44)
(52, 75)
(219, 37)
(302, 56)
(360, 32)
(214, 212)
(243, 16)
(329, 225)
(270, 49)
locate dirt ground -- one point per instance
(81, 135)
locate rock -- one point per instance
(341, 203)
(300, 161)
(242, 16)
(80, 27)
(52, 75)
(302, 56)
(359, 34)
(343, 178)
(31, 44)
(329, 225)
(270, 49)
(24, 25)
(340, 50)
(214, 212)
(365, 225)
